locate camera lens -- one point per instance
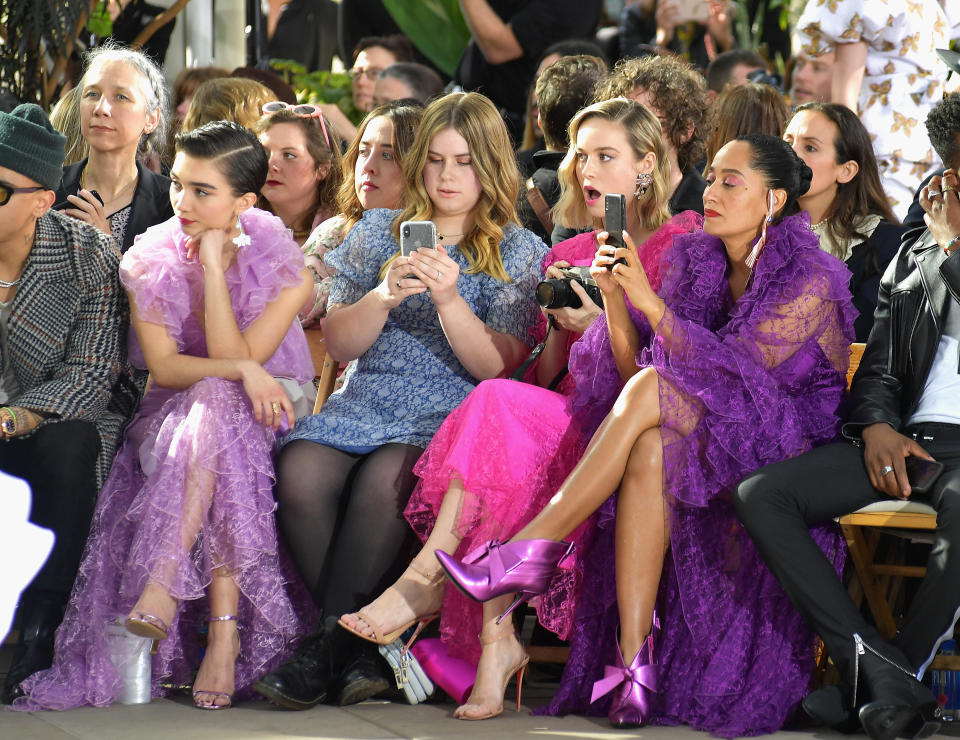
(406, 231)
(557, 294)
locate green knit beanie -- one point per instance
(30, 145)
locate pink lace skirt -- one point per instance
(512, 444)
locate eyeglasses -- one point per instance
(7, 192)
(304, 110)
(371, 73)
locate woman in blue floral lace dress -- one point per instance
(424, 330)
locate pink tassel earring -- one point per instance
(751, 259)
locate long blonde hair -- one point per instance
(478, 121)
(643, 132)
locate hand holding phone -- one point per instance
(417, 235)
(615, 221)
(921, 473)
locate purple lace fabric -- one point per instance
(512, 466)
(191, 489)
(741, 386)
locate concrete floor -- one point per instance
(176, 719)
(166, 719)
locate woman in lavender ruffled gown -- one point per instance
(184, 529)
(744, 362)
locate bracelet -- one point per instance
(950, 244)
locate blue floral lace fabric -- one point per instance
(404, 386)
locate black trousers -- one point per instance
(778, 504)
(59, 461)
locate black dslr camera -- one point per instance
(558, 293)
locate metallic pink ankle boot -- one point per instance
(633, 687)
(524, 566)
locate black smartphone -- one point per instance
(615, 220)
(96, 195)
(921, 473)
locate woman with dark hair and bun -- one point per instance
(744, 362)
(184, 531)
(847, 206)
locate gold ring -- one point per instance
(947, 189)
(277, 408)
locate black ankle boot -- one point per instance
(306, 679)
(899, 704)
(830, 706)
(40, 616)
(365, 675)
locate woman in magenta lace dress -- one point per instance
(184, 528)
(500, 454)
(744, 361)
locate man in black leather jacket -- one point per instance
(905, 402)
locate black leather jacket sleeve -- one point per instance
(875, 391)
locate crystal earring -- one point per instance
(751, 259)
(243, 238)
(644, 180)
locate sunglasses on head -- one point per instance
(304, 110)
(8, 191)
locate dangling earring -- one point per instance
(243, 238)
(644, 180)
(751, 259)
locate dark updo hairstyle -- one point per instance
(781, 168)
(236, 150)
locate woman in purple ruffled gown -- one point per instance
(184, 528)
(744, 362)
(498, 457)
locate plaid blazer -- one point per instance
(67, 331)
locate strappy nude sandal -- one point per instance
(214, 695)
(381, 638)
(517, 670)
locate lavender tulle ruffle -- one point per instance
(741, 385)
(190, 491)
(512, 444)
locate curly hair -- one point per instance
(405, 119)
(677, 91)
(565, 87)
(644, 135)
(746, 109)
(478, 121)
(943, 128)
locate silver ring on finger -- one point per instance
(886, 469)
(933, 193)
(439, 274)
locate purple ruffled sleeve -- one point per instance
(770, 381)
(167, 289)
(592, 364)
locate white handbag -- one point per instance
(409, 676)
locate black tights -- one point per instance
(342, 517)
